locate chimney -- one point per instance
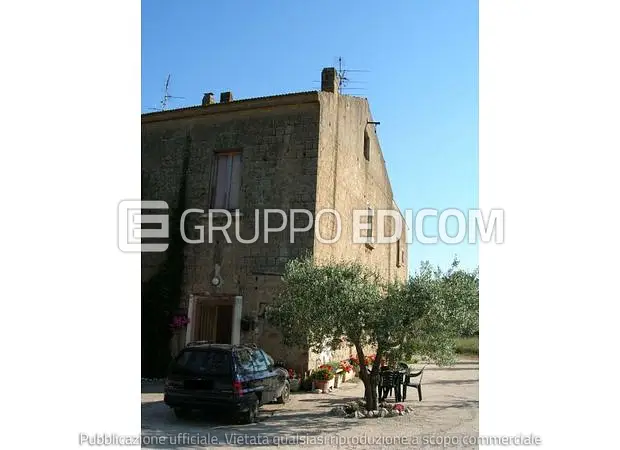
(330, 81)
(226, 97)
(208, 99)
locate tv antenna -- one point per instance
(344, 78)
(164, 101)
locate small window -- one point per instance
(226, 182)
(400, 254)
(366, 146)
(370, 222)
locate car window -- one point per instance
(260, 363)
(207, 362)
(244, 361)
(269, 359)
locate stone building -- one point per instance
(309, 150)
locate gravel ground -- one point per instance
(448, 412)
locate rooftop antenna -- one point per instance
(164, 101)
(344, 77)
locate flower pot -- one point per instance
(323, 385)
(295, 384)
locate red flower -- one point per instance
(178, 322)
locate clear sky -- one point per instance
(422, 84)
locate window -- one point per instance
(244, 361)
(370, 231)
(206, 362)
(399, 253)
(260, 363)
(366, 146)
(270, 361)
(251, 361)
(226, 180)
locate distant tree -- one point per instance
(429, 311)
(321, 304)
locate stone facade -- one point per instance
(299, 151)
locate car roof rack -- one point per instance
(194, 343)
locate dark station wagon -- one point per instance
(235, 378)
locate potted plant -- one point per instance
(347, 370)
(179, 322)
(248, 323)
(355, 364)
(294, 380)
(322, 378)
(307, 384)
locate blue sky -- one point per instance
(422, 84)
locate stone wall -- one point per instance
(279, 147)
(347, 181)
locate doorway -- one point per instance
(214, 317)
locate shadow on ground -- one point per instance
(462, 404)
(455, 382)
(274, 427)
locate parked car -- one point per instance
(236, 378)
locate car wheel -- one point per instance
(182, 413)
(286, 393)
(251, 415)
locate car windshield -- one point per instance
(204, 362)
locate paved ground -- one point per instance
(448, 412)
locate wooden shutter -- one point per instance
(221, 182)
(235, 181)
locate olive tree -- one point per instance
(324, 304)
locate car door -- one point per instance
(278, 375)
(266, 375)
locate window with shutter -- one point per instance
(226, 183)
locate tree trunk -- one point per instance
(371, 394)
(369, 376)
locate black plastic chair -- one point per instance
(391, 381)
(411, 382)
(399, 385)
(386, 383)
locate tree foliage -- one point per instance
(322, 304)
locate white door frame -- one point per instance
(191, 313)
(235, 337)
